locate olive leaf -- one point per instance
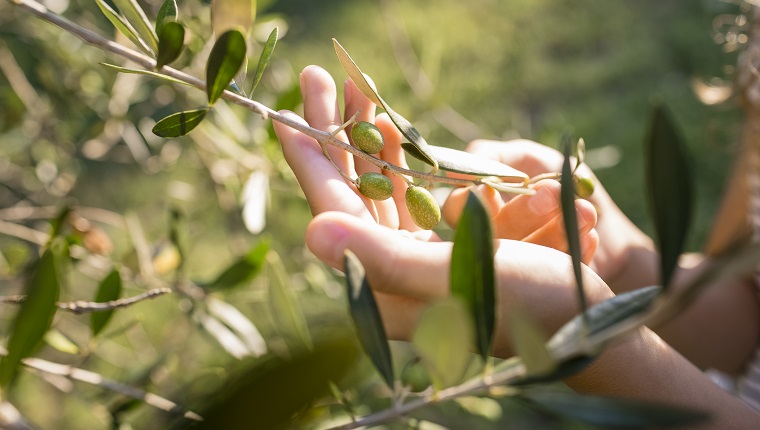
(472, 270)
(669, 184)
(366, 318)
(224, 61)
(180, 123)
(443, 338)
(266, 54)
(35, 316)
(167, 13)
(404, 126)
(144, 72)
(139, 21)
(170, 43)
(108, 290)
(612, 412)
(123, 26)
(570, 218)
(242, 270)
(580, 153)
(530, 344)
(283, 302)
(454, 160)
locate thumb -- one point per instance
(395, 263)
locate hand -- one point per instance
(625, 257)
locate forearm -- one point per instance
(644, 367)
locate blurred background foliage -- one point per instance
(72, 131)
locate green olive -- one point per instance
(375, 186)
(367, 137)
(422, 207)
(584, 186)
(415, 376)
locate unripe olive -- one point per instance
(375, 186)
(415, 376)
(367, 137)
(584, 186)
(422, 207)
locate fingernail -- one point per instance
(543, 202)
(329, 242)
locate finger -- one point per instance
(324, 188)
(552, 234)
(525, 214)
(452, 209)
(321, 111)
(524, 155)
(589, 245)
(394, 263)
(357, 102)
(393, 153)
(400, 314)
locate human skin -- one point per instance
(408, 268)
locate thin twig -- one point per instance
(82, 307)
(323, 137)
(96, 379)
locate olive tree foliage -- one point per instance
(126, 322)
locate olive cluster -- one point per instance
(421, 205)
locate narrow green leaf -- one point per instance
(366, 317)
(136, 17)
(404, 126)
(60, 342)
(283, 301)
(58, 223)
(530, 344)
(613, 412)
(167, 13)
(669, 183)
(242, 270)
(229, 315)
(36, 313)
(570, 218)
(562, 370)
(266, 54)
(472, 270)
(175, 221)
(108, 290)
(443, 339)
(180, 123)
(170, 43)
(226, 58)
(232, 14)
(601, 316)
(145, 72)
(454, 160)
(123, 26)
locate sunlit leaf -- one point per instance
(613, 412)
(232, 14)
(180, 123)
(108, 290)
(268, 392)
(472, 270)
(530, 344)
(248, 334)
(570, 218)
(224, 61)
(145, 72)
(36, 313)
(223, 335)
(601, 316)
(60, 342)
(455, 160)
(404, 126)
(122, 25)
(266, 54)
(443, 339)
(284, 305)
(170, 43)
(669, 183)
(254, 198)
(366, 317)
(167, 13)
(242, 270)
(139, 21)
